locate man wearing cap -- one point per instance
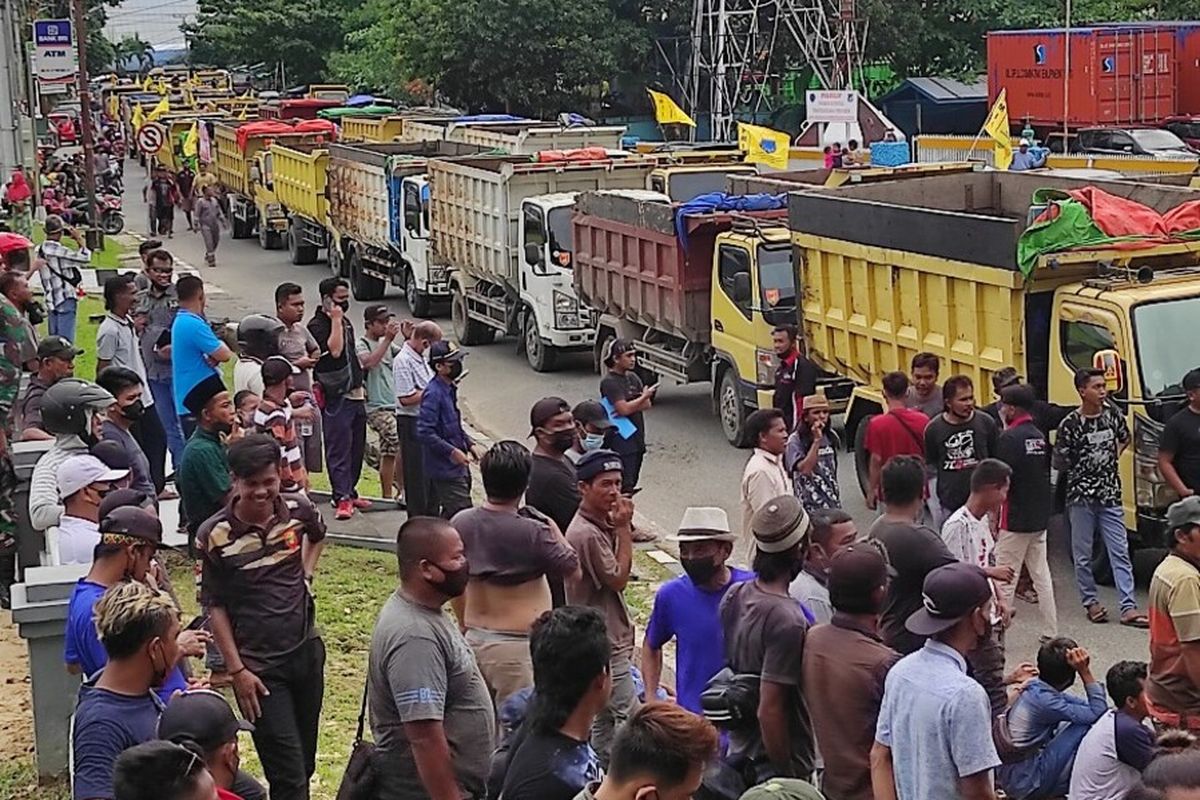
(377, 350)
(553, 488)
(626, 395)
(765, 477)
(83, 481)
(591, 427)
(844, 666)
(275, 417)
(1179, 445)
(602, 535)
(934, 734)
(56, 360)
(765, 631)
(60, 276)
(448, 450)
(686, 608)
(1023, 159)
(157, 306)
(1173, 685)
(412, 374)
(203, 476)
(344, 413)
(204, 717)
(811, 458)
(129, 538)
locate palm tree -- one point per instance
(134, 48)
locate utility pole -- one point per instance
(85, 115)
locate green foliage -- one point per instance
(133, 49)
(367, 58)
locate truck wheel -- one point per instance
(364, 287)
(267, 238)
(862, 459)
(603, 337)
(337, 264)
(732, 409)
(300, 254)
(543, 357)
(418, 304)
(468, 331)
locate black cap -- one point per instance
(57, 347)
(1191, 381)
(202, 392)
(545, 410)
(1005, 376)
(375, 311)
(596, 462)
(202, 716)
(445, 350)
(855, 571)
(591, 412)
(617, 347)
(1019, 396)
(130, 522)
(112, 454)
(950, 593)
(275, 370)
(119, 498)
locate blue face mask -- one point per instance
(592, 441)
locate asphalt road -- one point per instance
(688, 463)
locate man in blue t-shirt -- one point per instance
(195, 350)
(686, 608)
(129, 538)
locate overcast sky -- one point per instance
(156, 21)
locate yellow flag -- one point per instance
(191, 142)
(666, 112)
(996, 126)
(763, 145)
(147, 84)
(137, 118)
(163, 107)
(111, 107)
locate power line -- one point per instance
(143, 9)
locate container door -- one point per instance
(1158, 75)
(732, 308)
(1117, 72)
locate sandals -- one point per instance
(1027, 595)
(1135, 619)
(1097, 613)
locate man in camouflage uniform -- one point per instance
(12, 334)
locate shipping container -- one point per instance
(1118, 75)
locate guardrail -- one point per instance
(931, 148)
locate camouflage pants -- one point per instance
(8, 519)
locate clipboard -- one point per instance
(624, 427)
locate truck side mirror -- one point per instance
(741, 288)
(533, 254)
(1110, 362)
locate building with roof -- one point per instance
(936, 105)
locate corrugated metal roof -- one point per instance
(949, 89)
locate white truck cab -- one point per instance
(423, 283)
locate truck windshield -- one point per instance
(1161, 360)
(777, 282)
(690, 185)
(560, 230)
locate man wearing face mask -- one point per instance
(125, 385)
(204, 470)
(73, 411)
(686, 608)
(933, 737)
(411, 374)
(431, 714)
(83, 481)
(765, 631)
(204, 718)
(117, 708)
(448, 449)
(591, 427)
(258, 556)
(553, 487)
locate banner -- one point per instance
(996, 126)
(666, 112)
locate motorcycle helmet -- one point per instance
(258, 336)
(69, 405)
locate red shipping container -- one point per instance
(1119, 75)
(1187, 51)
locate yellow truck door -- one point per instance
(733, 330)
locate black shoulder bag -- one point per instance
(358, 782)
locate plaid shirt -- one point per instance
(60, 262)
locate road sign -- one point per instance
(150, 137)
(54, 56)
(822, 105)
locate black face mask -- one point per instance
(454, 582)
(134, 411)
(456, 370)
(561, 441)
(345, 304)
(700, 570)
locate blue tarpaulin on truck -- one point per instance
(720, 201)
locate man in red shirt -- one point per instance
(898, 432)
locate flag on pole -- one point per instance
(763, 145)
(191, 142)
(162, 107)
(138, 117)
(148, 84)
(666, 112)
(111, 107)
(996, 126)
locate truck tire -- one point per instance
(300, 254)
(468, 331)
(364, 286)
(419, 304)
(862, 459)
(731, 408)
(337, 264)
(542, 356)
(603, 337)
(238, 229)
(1145, 561)
(267, 238)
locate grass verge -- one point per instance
(107, 258)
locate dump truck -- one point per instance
(378, 214)
(683, 182)
(930, 264)
(299, 183)
(371, 129)
(516, 138)
(296, 108)
(697, 296)
(502, 228)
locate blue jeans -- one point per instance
(62, 320)
(1047, 774)
(1085, 519)
(164, 404)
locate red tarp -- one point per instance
(580, 154)
(274, 127)
(1118, 216)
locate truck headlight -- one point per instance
(274, 210)
(437, 274)
(1151, 490)
(566, 311)
(766, 362)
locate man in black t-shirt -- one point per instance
(955, 442)
(1179, 445)
(795, 377)
(548, 757)
(553, 487)
(629, 398)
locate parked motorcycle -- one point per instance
(110, 218)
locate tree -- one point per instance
(135, 49)
(368, 58)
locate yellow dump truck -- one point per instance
(299, 175)
(930, 264)
(371, 129)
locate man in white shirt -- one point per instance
(969, 534)
(765, 476)
(60, 276)
(411, 373)
(83, 482)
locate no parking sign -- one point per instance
(150, 137)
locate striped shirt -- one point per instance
(411, 373)
(276, 421)
(61, 263)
